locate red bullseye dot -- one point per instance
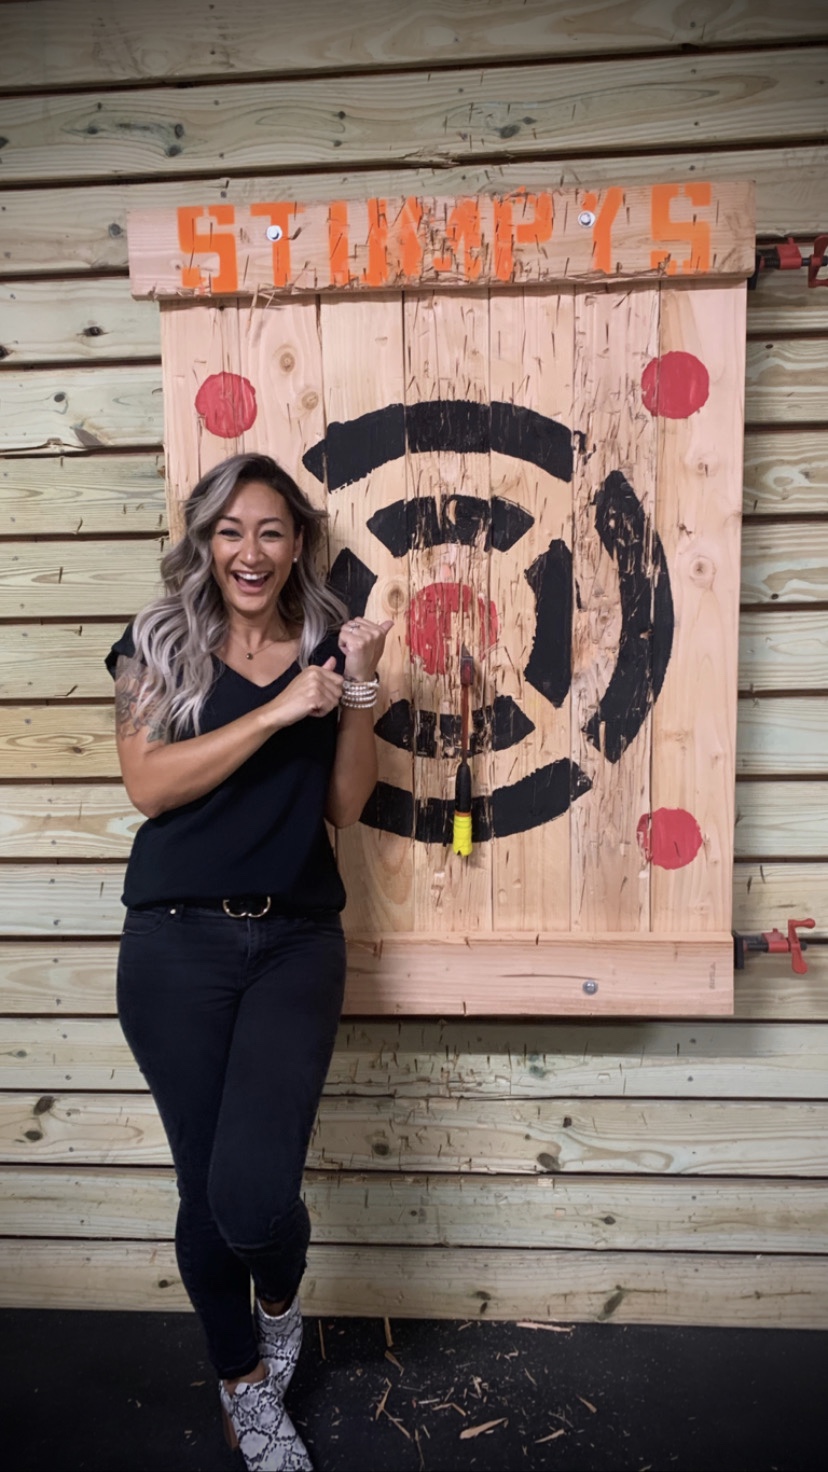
(675, 385)
(227, 404)
(669, 837)
(430, 620)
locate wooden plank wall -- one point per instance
(634, 1171)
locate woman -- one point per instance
(244, 719)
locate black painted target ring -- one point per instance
(351, 450)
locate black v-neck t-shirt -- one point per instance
(262, 830)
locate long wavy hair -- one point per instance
(177, 635)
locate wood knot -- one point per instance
(287, 362)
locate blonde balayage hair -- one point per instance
(177, 635)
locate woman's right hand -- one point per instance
(314, 692)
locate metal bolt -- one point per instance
(590, 987)
(586, 218)
(274, 232)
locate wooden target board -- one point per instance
(524, 417)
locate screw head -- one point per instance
(274, 232)
(590, 987)
(586, 218)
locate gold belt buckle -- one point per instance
(246, 914)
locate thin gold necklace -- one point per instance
(251, 653)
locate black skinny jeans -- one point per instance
(233, 1023)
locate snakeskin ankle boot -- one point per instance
(280, 1340)
(256, 1421)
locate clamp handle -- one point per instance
(798, 963)
(817, 260)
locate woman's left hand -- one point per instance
(362, 644)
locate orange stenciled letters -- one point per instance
(338, 243)
(693, 233)
(209, 243)
(376, 271)
(279, 215)
(407, 226)
(463, 226)
(533, 231)
(602, 229)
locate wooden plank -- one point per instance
(733, 1291)
(787, 381)
(59, 899)
(696, 229)
(40, 234)
(783, 737)
(64, 410)
(616, 336)
(565, 1287)
(786, 471)
(445, 116)
(447, 359)
(77, 976)
(781, 820)
(783, 649)
(81, 322)
(779, 650)
(767, 894)
(698, 508)
(84, 493)
(83, 900)
(364, 370)
(592, 1136)
(58, 741)
(782, 302)
(671, 1215)
(276, 349)
(103, 44)
(56, 661)
(67, 821)
(78, 579)
(531, 365)
(488, 1059)
(785, 564)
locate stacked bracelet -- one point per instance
(359, 694)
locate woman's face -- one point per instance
(254, 546)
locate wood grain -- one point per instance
(67, 821)
(106, 494)
(65, 410)
(783, 649)
(82, 322)
(78, 579)
(596, 1136)
(486, 1059)
(78, 976)
(115, 43)
(786, 471)
(55, 741)
(767, 894)
(781, 820)
(442, 117)
(39, 234)
(787, 381)
(785, 563)
(670, 1215)
(57, 661)
(782, 737)
(698, 506)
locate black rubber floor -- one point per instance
(117, 1392)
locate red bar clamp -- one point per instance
(818, 259)
(773, 942)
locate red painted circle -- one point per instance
(430, 619)
(675, 385)
(669, 837)
(227, 404)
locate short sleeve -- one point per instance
(125, 645)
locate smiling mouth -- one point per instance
(252, 582)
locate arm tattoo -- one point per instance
(129, 677)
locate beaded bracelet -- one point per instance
(359, 694)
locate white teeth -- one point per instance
(251, 577)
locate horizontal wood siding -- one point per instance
(668, 1172)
